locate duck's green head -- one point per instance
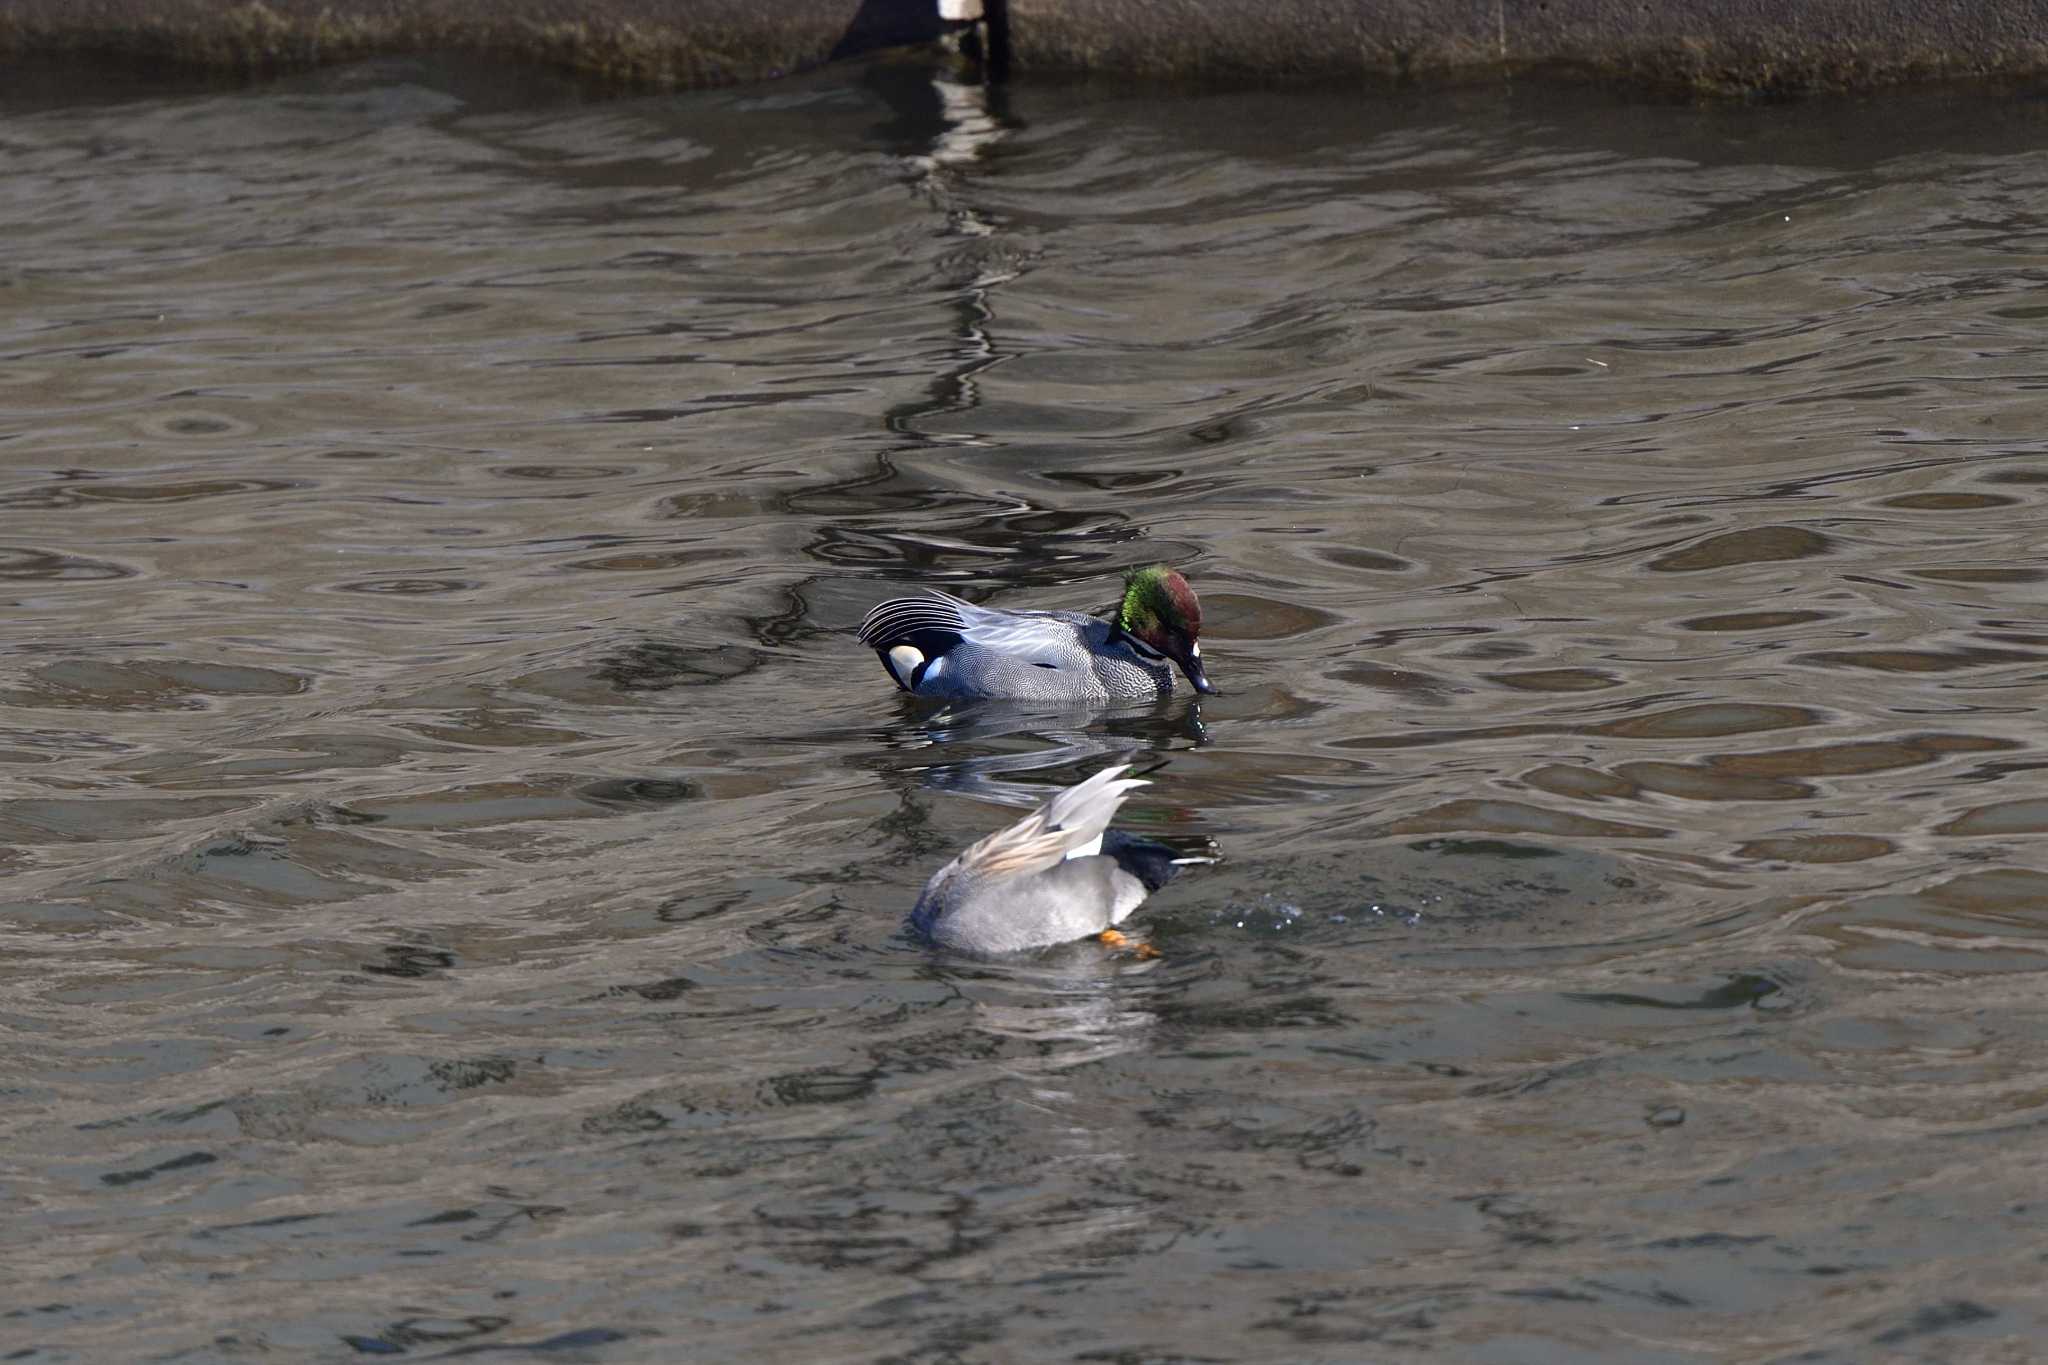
(1160, 612)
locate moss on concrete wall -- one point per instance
(1715, 46)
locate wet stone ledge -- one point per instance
(1710, 46)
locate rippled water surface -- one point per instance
(455, 852)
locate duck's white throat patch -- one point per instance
(903, 661)
(1087, 850)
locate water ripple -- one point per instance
(456, 854)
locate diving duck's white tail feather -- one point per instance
(1073, 818)
(1088, 807)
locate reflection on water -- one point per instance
(972, 748)
(456, 852)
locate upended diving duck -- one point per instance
(940, 646)
(1057, 875)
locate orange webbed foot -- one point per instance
(1138, 948)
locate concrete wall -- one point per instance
(1725, 46)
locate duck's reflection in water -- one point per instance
(1070, 1004)
(995, 741)
(1052, 1015)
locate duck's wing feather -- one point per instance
(932, 624)
(1071, 822)
(1040, 637)
(937, 623)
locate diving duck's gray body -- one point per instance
(1057, 875)
(940, 646)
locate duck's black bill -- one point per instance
(1193, 668)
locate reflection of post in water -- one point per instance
(970, 125)
(908, 517)
(945, 118)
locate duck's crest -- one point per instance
(1156, 595)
